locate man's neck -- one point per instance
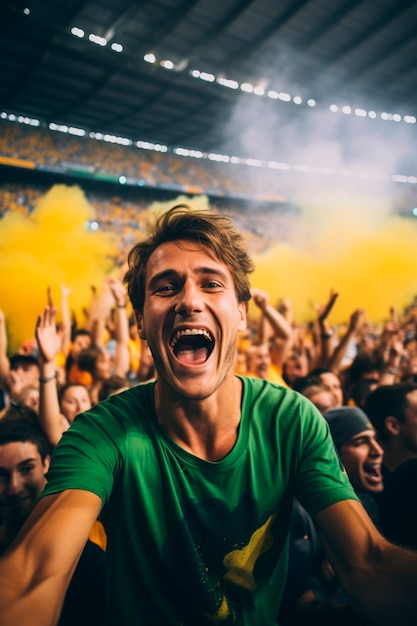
(206, 428)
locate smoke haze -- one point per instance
(48, 248)
(347, 237)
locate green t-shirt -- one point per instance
(193, 542)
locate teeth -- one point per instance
(191, 331)
(372, 469)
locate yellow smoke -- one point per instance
(352, 244)
(347, 240)
(50, 247)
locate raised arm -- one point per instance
(4, 361)
(91, 311)
(49, 341)
(281, 332)
(380, 578)
(37, 569)
(101, 314)
(392, 358)
(355, 322)
(66, 320)
(121, 329)
(325, 332)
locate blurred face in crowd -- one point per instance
(81, 342)
(29, 396)
(75, 399)
(322, 398)
(26, 373)
(295, 367)
(22, 479)
(259, 360)
(333, 383)
(362, 457)
(103, 367)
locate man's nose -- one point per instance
(14, 484)
(189, 299)
(375, 449)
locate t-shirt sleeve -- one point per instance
(321, 478)
(88, 455)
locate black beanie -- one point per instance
(345, 422)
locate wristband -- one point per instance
(47, 379)
(121, 306)
(393, 371)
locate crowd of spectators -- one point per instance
(69, 365)
(361, 376)
(126, 215)
(64, 152)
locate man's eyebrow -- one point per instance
(212, 270)
(29, 460)
(360, 436)
(169, 273)
(160, 276)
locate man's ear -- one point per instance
(46, 463)
(242, 316)
(139, 324)
(392, 425)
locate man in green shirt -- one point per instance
(194, 473)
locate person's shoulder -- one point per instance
(274, 390)
(117, 411)
(140, 394)
(280, 400)
(262, 383)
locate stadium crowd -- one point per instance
(361, 377)
(48, 149)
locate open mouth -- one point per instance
(192, 345)
(373, 471)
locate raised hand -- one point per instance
(47, 336)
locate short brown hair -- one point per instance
(209, 227)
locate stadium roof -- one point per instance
(201, 73)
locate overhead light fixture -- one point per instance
(100, 41)
(77, 32)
